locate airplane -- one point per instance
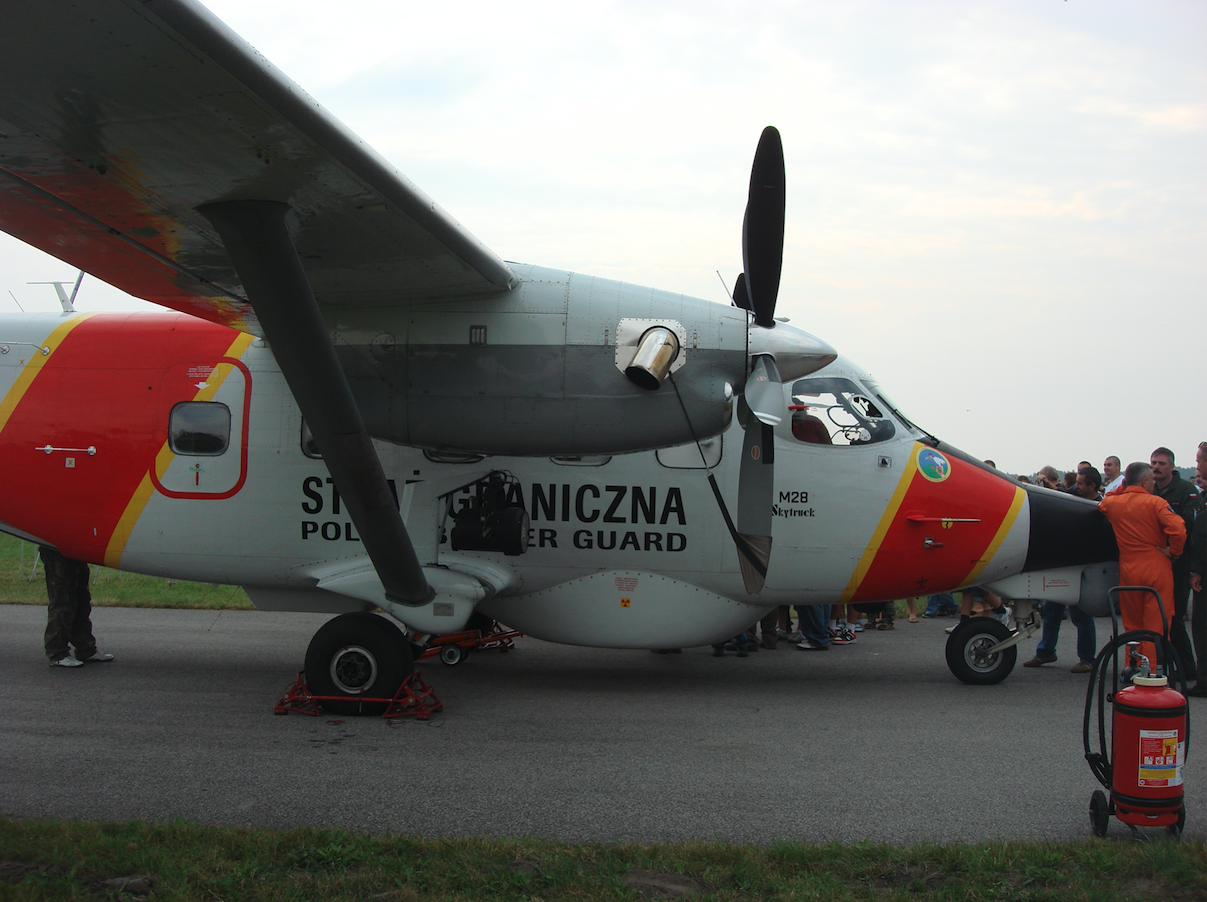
(356, 406)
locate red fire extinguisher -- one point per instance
(1150, 734)
(1148, 750)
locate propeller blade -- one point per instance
(763, 227)
(764, 391)
(741, 294)
(756, 484)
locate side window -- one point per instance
(452, 457)
(199, 428)
(835, 411)
(689, 457)
(577, 460)
(309, 446)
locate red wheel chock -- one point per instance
(414, 698)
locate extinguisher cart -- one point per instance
(1150, 730)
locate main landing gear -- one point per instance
(357, 662)
(363, 664)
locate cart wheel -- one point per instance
(1175, 830)
(1100, 813)
(451, 654)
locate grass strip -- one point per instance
(22, 583)
(60, 860)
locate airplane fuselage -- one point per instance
(626, 551)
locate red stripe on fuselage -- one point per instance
(904, 564)
(105, 386)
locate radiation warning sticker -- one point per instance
(933, 465)
(626, 602)
(1161, 758)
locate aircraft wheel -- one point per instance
(452, 655)
(1100, 813)
(357, 655)
(967, 655)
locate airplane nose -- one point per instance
(1066, 531)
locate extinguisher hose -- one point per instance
(1099, 761)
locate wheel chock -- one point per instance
(414, 698)
(297, 698)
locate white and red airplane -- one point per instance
(359, 406)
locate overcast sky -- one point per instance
(999, 209)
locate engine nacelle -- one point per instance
(537, 371)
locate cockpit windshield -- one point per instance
(837, 411)
(878, 392)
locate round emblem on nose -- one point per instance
(933, 465)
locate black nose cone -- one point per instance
(1066, 531)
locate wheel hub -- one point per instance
(976, 653)
(353, 669)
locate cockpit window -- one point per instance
(835, 411)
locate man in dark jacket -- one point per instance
(1181, 496)
(1196, 551)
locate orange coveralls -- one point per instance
(1144, 524)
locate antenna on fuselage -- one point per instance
(68, 303)
(15, 301)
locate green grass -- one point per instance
(42, 859)
(111, 588)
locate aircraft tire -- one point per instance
(965, 652)
(357, 655)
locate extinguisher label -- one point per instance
(1161, 758)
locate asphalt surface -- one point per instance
(872, 741)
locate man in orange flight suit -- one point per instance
(1149, 534)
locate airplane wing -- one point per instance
(118, 118)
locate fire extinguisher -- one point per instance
(1150, 731)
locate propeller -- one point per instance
(756, 290)
(763, 228)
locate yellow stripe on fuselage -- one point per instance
(34, 366)
(138, 501)
(1000, 536)
(886, 520)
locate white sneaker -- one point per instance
(68, 661)
(99, 657)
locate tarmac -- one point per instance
(872, 741)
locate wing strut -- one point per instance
(258, 242)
